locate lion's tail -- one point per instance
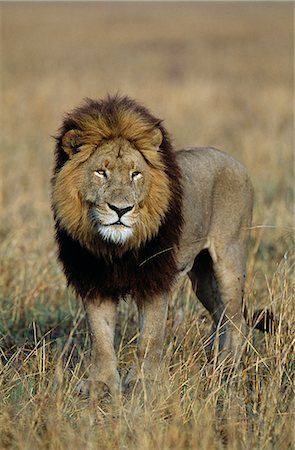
(262, 319)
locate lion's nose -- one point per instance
(120, 211)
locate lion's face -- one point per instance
(111, 191)
(115, 183)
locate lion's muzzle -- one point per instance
(114, 222)
(119, 210)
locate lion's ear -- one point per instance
(156, 137)
(71, 142)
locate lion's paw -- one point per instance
(139, 384)
(97, 389)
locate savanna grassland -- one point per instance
(220, 75)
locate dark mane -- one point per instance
(147, 271)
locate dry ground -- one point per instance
(220, 75)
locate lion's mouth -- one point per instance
(118, 223)
(96, 220)
(117, 232)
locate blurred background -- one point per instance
(219, 74)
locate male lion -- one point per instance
(133, 216)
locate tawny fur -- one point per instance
(187, 213)
(72, 211)
(116, 133)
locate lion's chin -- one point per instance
(117, 234)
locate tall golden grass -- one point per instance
(220, 75)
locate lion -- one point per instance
(133, 217)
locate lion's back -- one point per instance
(216, 188)
(204, 167)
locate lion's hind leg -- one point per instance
(219, 287)
(229, 269)
(206, 289)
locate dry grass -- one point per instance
(220, 75)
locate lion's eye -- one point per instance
(135, 175)
(100, 173)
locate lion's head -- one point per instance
(116, 186)
(113, 185)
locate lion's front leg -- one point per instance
(152, 322)
(104, 377)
